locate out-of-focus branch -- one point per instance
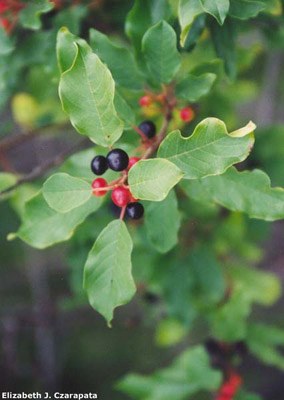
(41, 169)
(12, 141)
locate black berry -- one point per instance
(151, 298)
(99, 165)
(135, 210)
(148, 128)
(117, 160)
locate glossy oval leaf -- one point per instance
(124, 110)
(43, 227)
(245, 9)
(265, 342)
(63, 192)
(217, 8)
(29, 16)
(190, 9)
(142, 15)
(159, 46)
(247, 191)
(153, 179)
(107, 275)
(86, 91)
(189, 373)
(66, 48)
(193, 87)
(260, 286)
(210, 150)
(119, 60)
(162, 222)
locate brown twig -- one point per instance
(11, 141)
(161, 135)
(40, 170)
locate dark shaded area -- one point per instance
(50, 342)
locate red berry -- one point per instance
(121, 196)
(3, 7)
(235, 380)
(132, 161)
(227, 390)
(98, 184)
(6, 24)
(186, 114)
(145, 101)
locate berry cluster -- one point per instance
(116, 160)
(150, 101)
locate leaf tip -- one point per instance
(11, 236)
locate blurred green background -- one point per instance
(50, 338)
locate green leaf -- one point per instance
(208, 287)
(119, 60)
(107, 275)
(86, 91)
(63, 192)
(210, 150)
(159, 46)
(163, 236)
(169, 332)
(31, 13)
(190, 9)
(260, 287)
(143, 14)
(153, 179)
(43, 227)
(124, 111)
(247, 191)
(66, 48)
(195, 32)
(263, 341)
(71, 18)
(228, 322)
(224, 41)
(215, 66)
(245, 9)
(7, 180)
(217, 8)
(191, 283)
(6, 43)
(192, 88)
(188, 374)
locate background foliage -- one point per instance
(206, 259)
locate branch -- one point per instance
(40, 170)
(11, 141)
(161, 135)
